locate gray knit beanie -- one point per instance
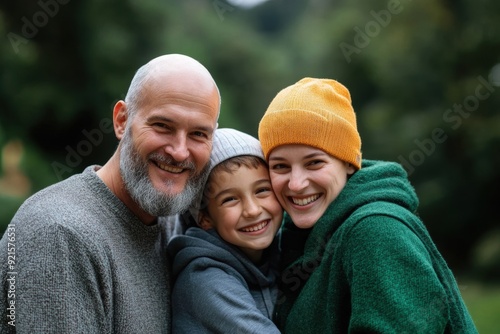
(229, 143)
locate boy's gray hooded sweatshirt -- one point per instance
(218, 289)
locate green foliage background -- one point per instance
(408, 64)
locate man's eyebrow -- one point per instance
(159, 118)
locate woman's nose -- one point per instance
(298, 180)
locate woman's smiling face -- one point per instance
(306, 180)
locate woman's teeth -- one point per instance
(304, 201)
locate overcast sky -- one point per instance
(245, 3)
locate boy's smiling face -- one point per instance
(243, 209)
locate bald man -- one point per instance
(88, 254)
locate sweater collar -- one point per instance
(114, 204)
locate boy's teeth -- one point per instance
(255, 227)
(305, 201)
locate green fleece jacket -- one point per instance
(368, 265)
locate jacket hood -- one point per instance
(206, 248)
(376, 181)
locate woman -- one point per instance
(356, 257)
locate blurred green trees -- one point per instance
(422, 77)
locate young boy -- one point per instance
(225, 269)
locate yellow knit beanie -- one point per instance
(314, 112)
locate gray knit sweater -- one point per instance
(83, 264)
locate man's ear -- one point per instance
(204, 221)
(120, 117)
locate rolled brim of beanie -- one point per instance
(329, 132)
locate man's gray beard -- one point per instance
(135, 176)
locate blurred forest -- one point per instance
(424, 77)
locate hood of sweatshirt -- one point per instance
(206, 248)
(376, 181)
